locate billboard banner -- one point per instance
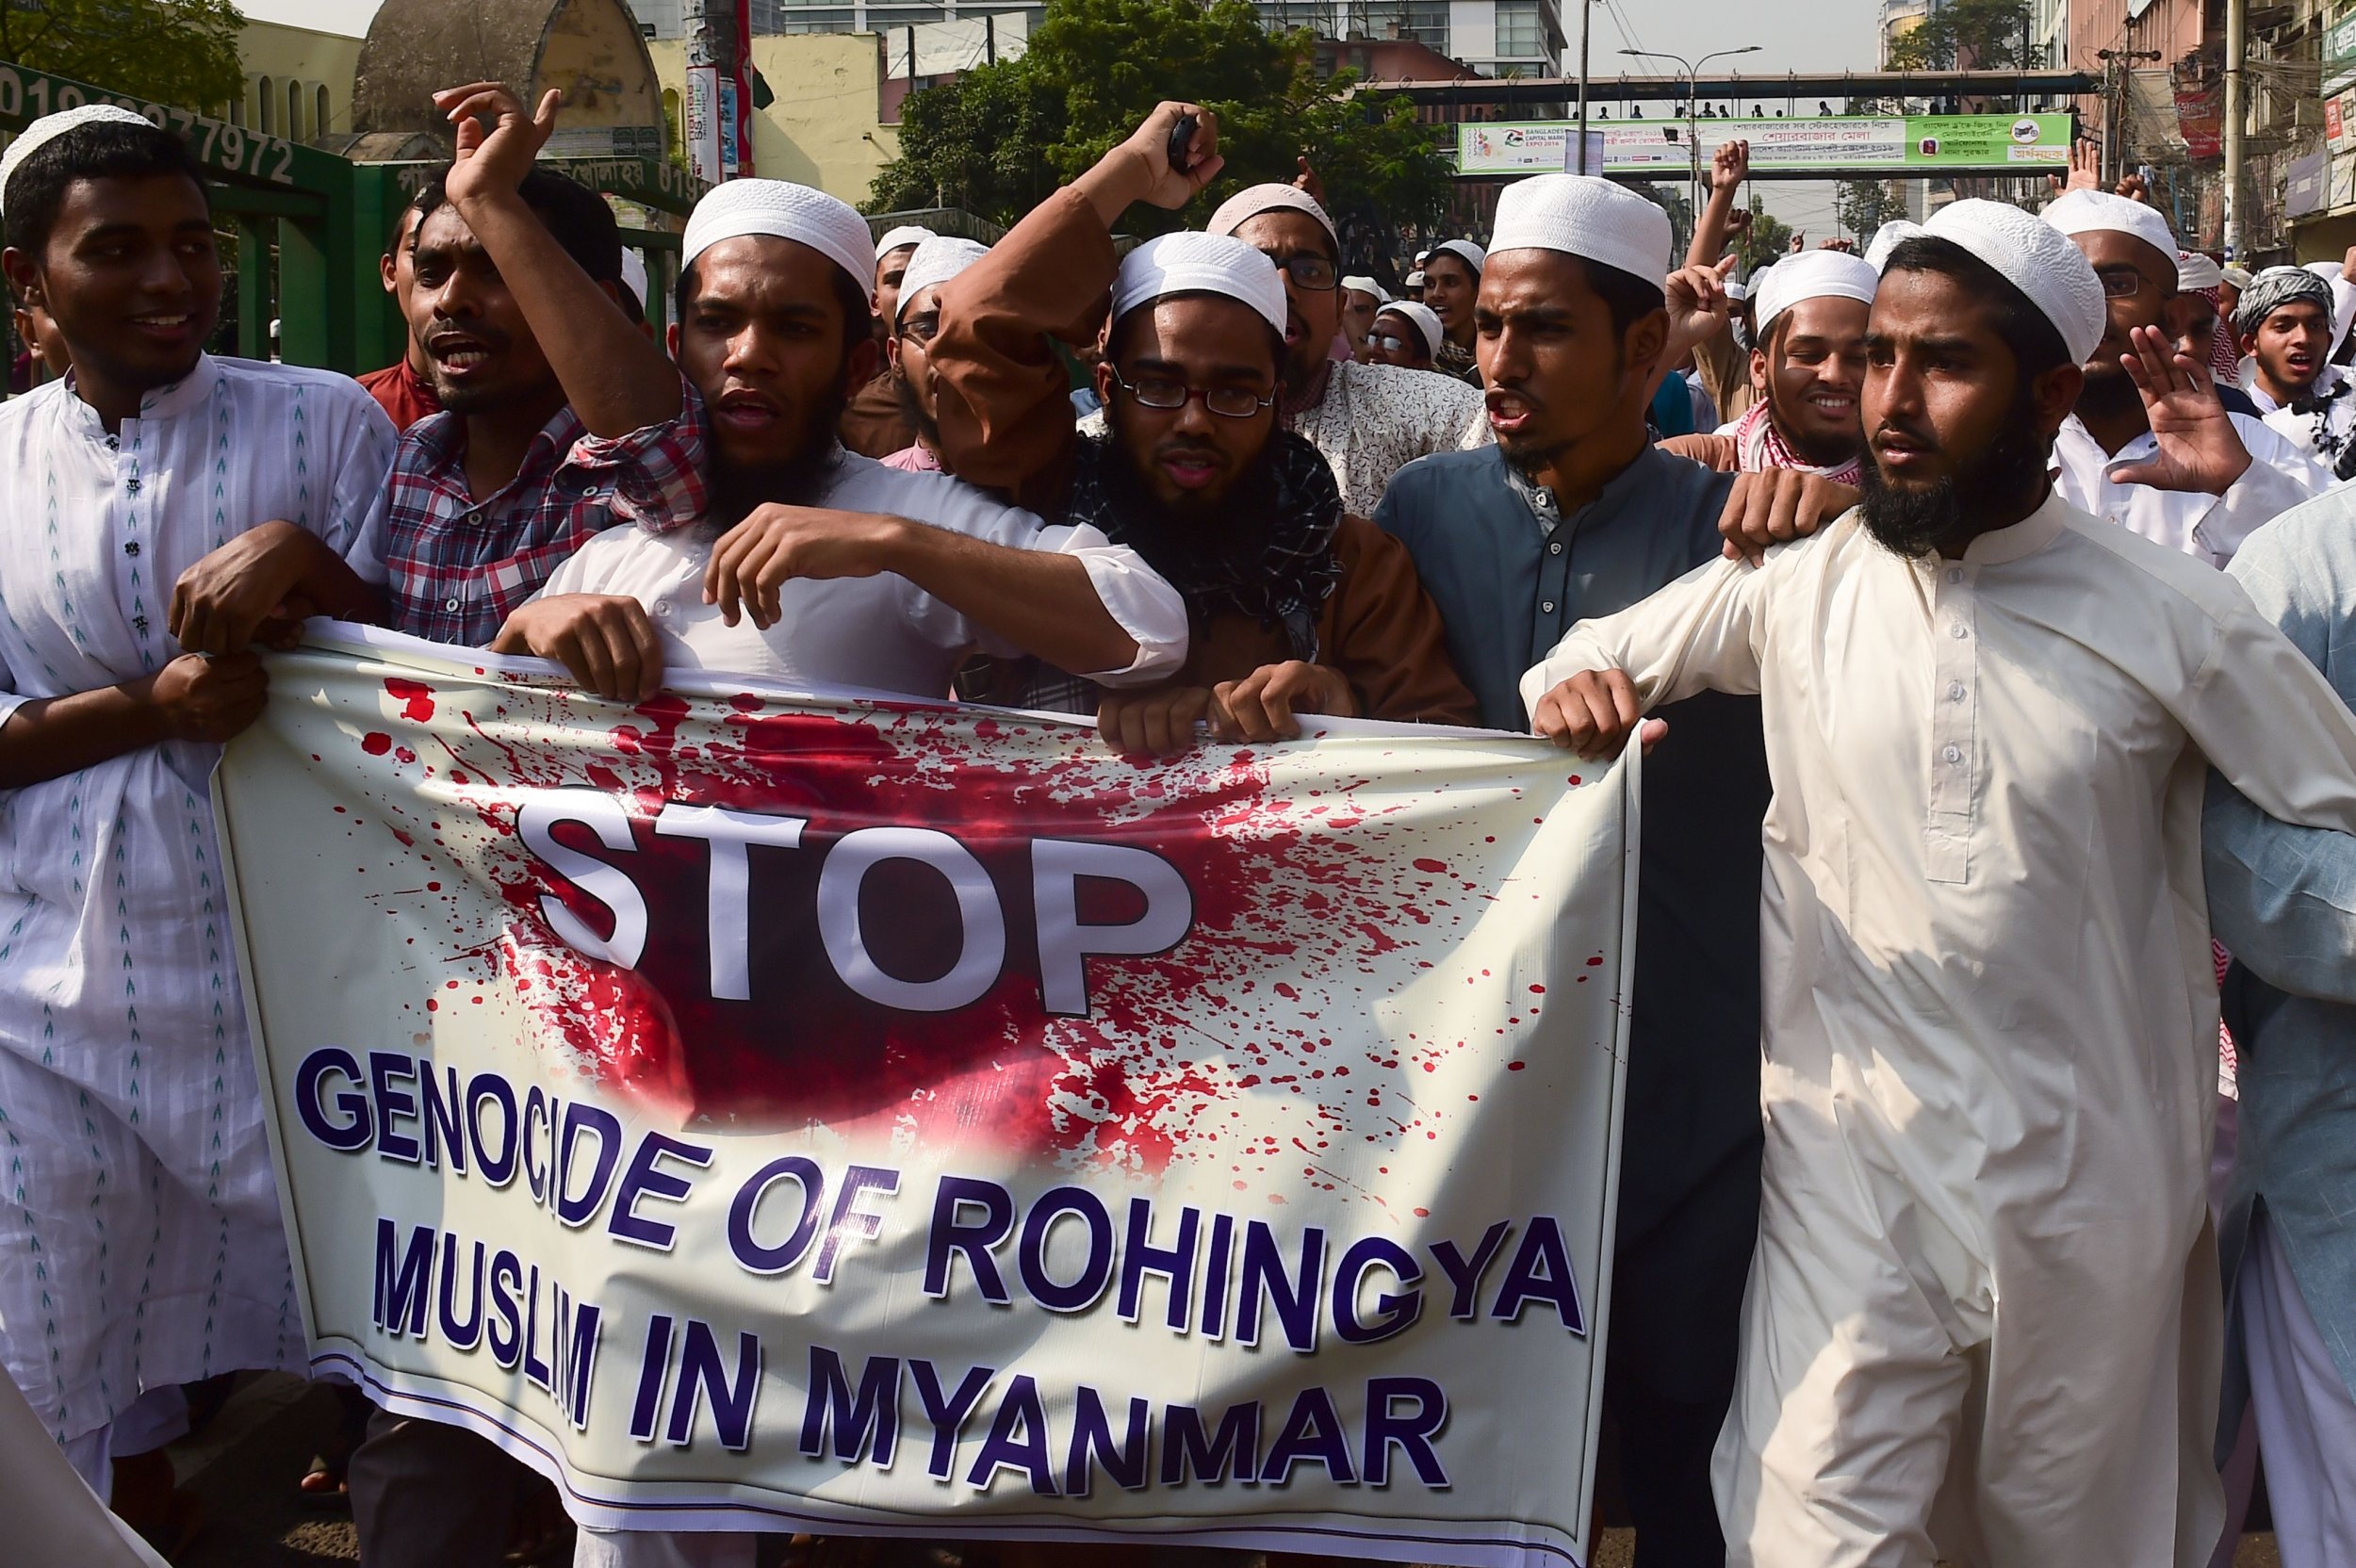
(1840, 144)
(830, 1113)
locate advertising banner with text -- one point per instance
(1859, 144)
(840, 1114)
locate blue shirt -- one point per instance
(2283, 899)
(1511, 573)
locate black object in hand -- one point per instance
(1182, 143)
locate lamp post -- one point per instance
(1693, 124)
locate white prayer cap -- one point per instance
(2031, 256)
(936, 261)
(1413, 280)
(634, 273)
(1584, 216)
(1887, 238)
(1365, 286)
(1188, 263)
(2085, 211)
(788, 211)
(1420, 317)
(2194, 270)
(1812, 275)
(1737, 289)
(1246, 204)
(2239, 276)
(906, 233)
(51, 126)
(1464, 251)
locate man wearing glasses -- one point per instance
(1293, 604)
(916, 316)
(2110, 457)
(1369, 420)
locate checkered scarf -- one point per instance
(1760, 446)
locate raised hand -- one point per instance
(2199, 447)
(494, 162)
(1699, 305)
(2086, 169)
(1309, 180)
(1730, 165)
(1171, 188)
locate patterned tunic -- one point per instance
(139, 1233)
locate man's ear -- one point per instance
(1646, 343)
(859, 365)
(891, 352)
(2053, 395)
(670, 341)
(23, 277)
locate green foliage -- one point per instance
(1768, 237)
(1978, 35)
(1862, 207)
(177, 52)
(999, 139)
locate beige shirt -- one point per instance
(1990, 1010)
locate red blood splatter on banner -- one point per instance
(1293, 896)
(376, 743)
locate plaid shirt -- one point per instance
(456, 567)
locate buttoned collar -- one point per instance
(163, 402)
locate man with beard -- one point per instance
(874, 424)
(1451, 281)
(1574, 513)
(1983, 1321)
(2287, 319)
(908, 348)
(2339, 280)
(560, 416)
(1370, 421)
(817, 566)
(171, 510)
(1296, 606)
(1361, 298)
(1810, 357)
(2109, 459)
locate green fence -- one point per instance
(310, 225)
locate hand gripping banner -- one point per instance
(849, 1115)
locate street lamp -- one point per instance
(1692, 132)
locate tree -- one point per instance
(999, 139)
(1767, 238)
(1966, 35)
(177, 52)
(1862, 207)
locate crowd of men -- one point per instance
(1984, 601)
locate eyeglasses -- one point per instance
(920, 330)
(1166, 392)
(1384, 340)
(1309, 270)
(2120, 282)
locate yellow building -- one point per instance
(826, 127)
(297, 82)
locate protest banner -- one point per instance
(843, 1114)
(1833, 144)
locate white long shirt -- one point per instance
(2338, 419)
(881, 632)
(1990, 1014)
(139, 1235)
(2209, 527)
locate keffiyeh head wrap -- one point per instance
(2275, 287)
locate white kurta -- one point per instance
(881, 632)
(2209, 527)
(140, 1234)
(1991, 1027)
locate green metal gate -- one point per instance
(310, 225)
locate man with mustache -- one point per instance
(560, 416)
(817, 566)
(908, 349)
(2110, 457)
(1296, 606)
(1575, 512)
(1451, 281)
(1983, 1320)
(401, 389)
(1370, 421)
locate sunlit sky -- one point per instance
(1792, 35)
